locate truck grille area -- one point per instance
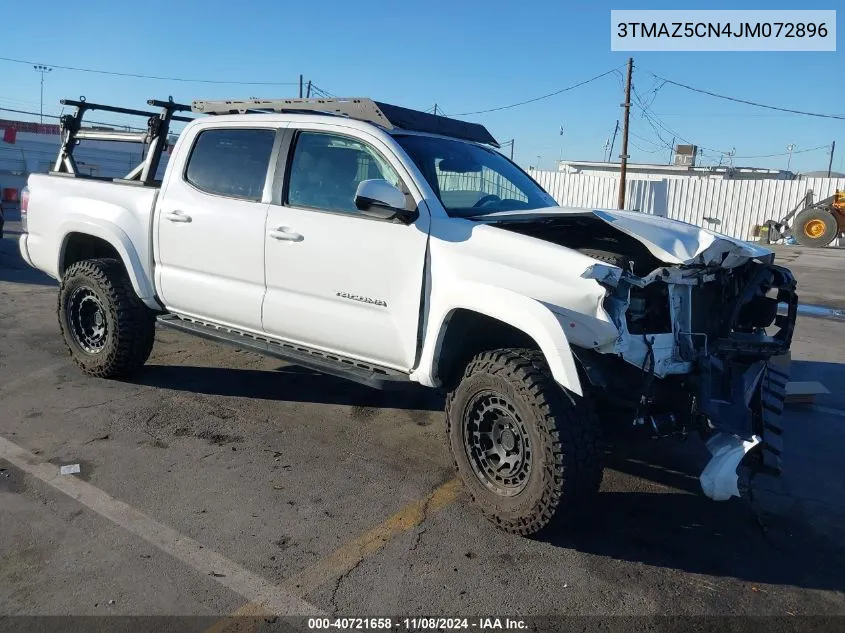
(747, 310)
(765, 288)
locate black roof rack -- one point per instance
(362, 109)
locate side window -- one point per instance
(326, 169)
(231, 162)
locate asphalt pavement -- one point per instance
(217, 479)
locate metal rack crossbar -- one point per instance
(362, 109)
(158, 127)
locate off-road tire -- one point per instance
(130, 325)
(811, 217)
(608, 257)
(566, 460)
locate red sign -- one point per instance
(26, 126)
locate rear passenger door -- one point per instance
(210, 233)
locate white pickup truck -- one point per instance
(387, 245)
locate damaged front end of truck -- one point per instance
(704, 323)
(709, 365)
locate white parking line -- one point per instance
(275, 599)
(819, 312)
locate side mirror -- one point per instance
(379, 199)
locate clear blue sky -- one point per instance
(465, 56)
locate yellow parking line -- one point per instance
(342, 560)
(243, 620)
(346, 557)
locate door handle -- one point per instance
(285, 234)
(177, 216)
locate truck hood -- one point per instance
(670, 241)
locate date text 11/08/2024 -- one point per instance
(417, 624)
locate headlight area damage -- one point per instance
(701, 319)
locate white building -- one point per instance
(646, 171)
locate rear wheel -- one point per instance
(528, 452)
(108, 330)
(815, 227)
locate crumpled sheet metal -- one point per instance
(719, 479)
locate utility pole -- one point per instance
(43, 70)
(830, 163)
(623, 168)
(308, 92)
(512, 141)
(613, 142)
(435, 109)
(671, 150)
(560, 156)
(300, 86)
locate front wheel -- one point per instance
(528, 452)
(108, 330)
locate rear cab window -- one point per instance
(231, 162)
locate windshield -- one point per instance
(472, 180)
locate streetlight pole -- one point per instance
(43, 70)
(789, 149)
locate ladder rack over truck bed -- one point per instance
(158, 127)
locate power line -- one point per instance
(647, 140)
(655, 123)
(647, 151)
(320, 92)
(747, 102)
(801, 151)
(722, 114)
(653, 120)
(546, 96)
(139, 76)
(54, 116)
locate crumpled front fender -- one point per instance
(512, 308)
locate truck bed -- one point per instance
(118, 212)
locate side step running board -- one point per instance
(323, 362)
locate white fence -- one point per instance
(732, 207)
